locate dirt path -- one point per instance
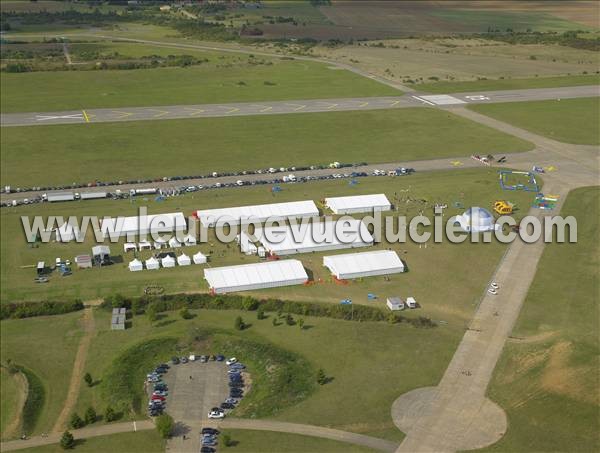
(89, 330)
(12, 429)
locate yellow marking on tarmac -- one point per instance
(332, 106)
(551, 168)
(456, 163)
(395, 103)
(123, 114)
(233, 110)
(266, 109)
(364, 104)
(297, 107)
(160, 114)
(85, 115)
(194, 111)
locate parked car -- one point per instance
(492, 291)
(231, 361)
(237, 366)
(227, 406)
(203, 358)
(206, 449)
(175, 361)
(495, 285)
(184, 360)
(220, 357)
(213, 431)
(216, 414)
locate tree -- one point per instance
(239, 323)
(250, 304)
(301, 323)
(90, 416)
(185, 314)
(88, 379)
(321, 377)
(260, 313)
(164, 425)
(110, 415)
(67, 441)
(76, 422)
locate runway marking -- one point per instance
(479, 97)
(75, 116)
(160, 114)
(456, 163)
(297, 107)
(265, 108)
(441, 99)
(85, 115)
(363, 104)
(423, 100)
(233, 110)
(122, 114)
(395, 103)
(194, 111)
(332, 106)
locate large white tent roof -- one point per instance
(257, 213)
(316, 236)
(156, 223)
(358, 203)
(244, 277)
(364, 264)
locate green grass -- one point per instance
(248, 441)
(139, 442)
(207, 83)
(480, 20)
(548, 384)
(9, 400)
(87, 152)
(509, 84)
(473, 187)
(46, 346)
(568, 120)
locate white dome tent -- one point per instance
(476, 220)
(184, 260)
(152, 263)
(135, 265)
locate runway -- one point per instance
(413, 99)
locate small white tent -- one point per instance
(174, 243)
(144, 245)
(189, 240)
(184, 260)
(129, 246)
(200, 258)
(168, 261)
(159, 244)
(152, 263)
(135, 265)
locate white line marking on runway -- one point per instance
(76, 116)
(422, 100)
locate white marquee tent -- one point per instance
(135, 265)
(257, 213)
(316, 237)
(140, 225)
(184, 260)
(152, 263)
(199, 258)
(358, 203)
(144, 245)
(247, 277)
(168, 261)
(365, 264)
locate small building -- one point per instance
(129, 247)
(184, 260)
(101, 255)
(395, 303)
(168, 261)
(411, 302)
(152, 263)
(200, 258)
(135, 265)
(118, 319)
(83, 261)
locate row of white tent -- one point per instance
(188, 241)
(168, 261)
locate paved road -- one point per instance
(457, 415)
(297, 106)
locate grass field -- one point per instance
(477, 187)
(509, 84)
(547, 377)
(568, 120)
(47, 347)
(248, 441)
(9, 399)
(138, 442)
(226, 80)
(86, 152)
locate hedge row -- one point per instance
(29, 309)
(169, 302)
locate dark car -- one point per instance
(220, 357)
(206, 449)
(227, 406)
(236, 384)
(236, 393)
(212, 431)
(175, 360)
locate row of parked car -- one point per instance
(236, 389)
(158, 399)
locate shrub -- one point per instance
(90, 416)
(164, 425)
(321, 377)
(67, 441)
(260, 313)
(30, 309)
(88, 379)
(239, 323)
(110, 415)
(185, 314)
(34, 402)
(76, 421)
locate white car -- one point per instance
(495, 285)
(230, 361)
(492, 291)
(216, 414)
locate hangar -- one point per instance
(257, 213)
(140, 225)
(365, 264)
(246, 277)
(358, 203)
(316, 237)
